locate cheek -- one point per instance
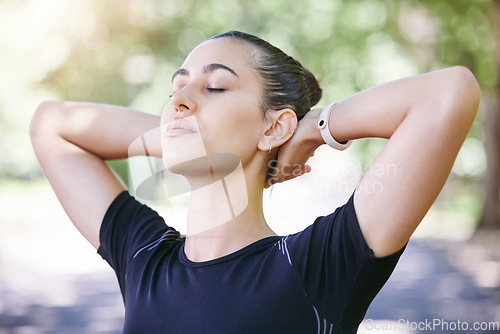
(236, 135)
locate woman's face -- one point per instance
(215, 107)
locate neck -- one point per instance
(224, 216)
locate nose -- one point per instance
(182, 101)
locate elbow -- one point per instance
(471, 86)
(454, 97)
(44, 121)
(466, 91)
(40, 117)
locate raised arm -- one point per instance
(426, 119)
(72, 141)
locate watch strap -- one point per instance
(325, 130)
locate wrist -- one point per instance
(324, 128)
(314, 134)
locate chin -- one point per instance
(181, 149)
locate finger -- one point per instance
(299, 171)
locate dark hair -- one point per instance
(287, 84)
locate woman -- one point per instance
(239, 119)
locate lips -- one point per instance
(179, 127)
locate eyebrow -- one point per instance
(206, 69)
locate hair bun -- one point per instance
(315, 91)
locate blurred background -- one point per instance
(125, 52)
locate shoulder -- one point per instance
(129, 226)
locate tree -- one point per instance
(491, 211)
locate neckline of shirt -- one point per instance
(184, 260)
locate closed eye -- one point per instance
(215, 90)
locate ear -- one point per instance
(281, 127)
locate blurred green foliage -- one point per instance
(124, 52)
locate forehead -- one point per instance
(226, 51)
